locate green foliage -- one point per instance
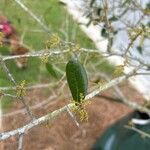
(51, 70)
(148, 5)
(113, 18)
(140, 50)
(104, 33)
(55, 17)
(77, 79)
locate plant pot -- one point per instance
(117, 137)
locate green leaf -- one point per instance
(148, 24)
(140, 50)
(148, 5)
(51, 70)
(104, 33)
(77, 79)
(113, 18)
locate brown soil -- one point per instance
(62, 133)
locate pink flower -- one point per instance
(6, 29)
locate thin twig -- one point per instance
(25, 8)
(20, 142)
(56, 113)
(138, 131)
(10, 77)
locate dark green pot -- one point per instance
(117, 137)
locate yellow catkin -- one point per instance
(118, 71)
(75, 48)
(53, 41)
(44, 58)
(79, 108)
(21, 91)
